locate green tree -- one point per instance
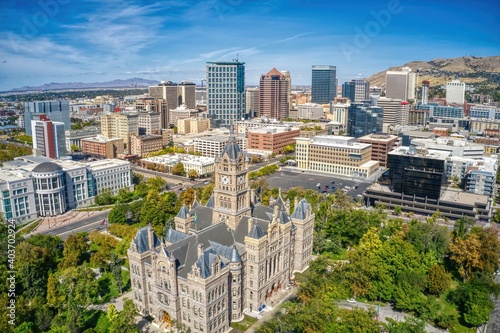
(118, 214)
(125, 321)
(156, 183)
(74, 247)
(137, 178)
(116, 268)
(178, 169)
(105, 197)
(75, 148)
(437, 280)
(398, 210)
(192, 174)
(466, 255)
(124, 195)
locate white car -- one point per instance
(351, 300)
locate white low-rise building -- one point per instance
(201, 164)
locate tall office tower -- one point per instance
(289, 79)
(357, 90)
(154, 105)
(148, 123)
(396, 112)
(364, 119)
(425, 92)
(176, 94)
(323, 84)
(252, 102)
(48, 138)
(455, 92)
(226, 91)
(273, 98)
(400, 84)
(54, 110)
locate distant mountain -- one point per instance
(439, 71)
(128, 83)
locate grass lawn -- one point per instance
(244, 324)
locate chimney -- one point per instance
(250, 224)
(200, 249)
(150, 237)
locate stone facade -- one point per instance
(223, 259)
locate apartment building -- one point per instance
(142, 145)
(193, 125)
(212, 146)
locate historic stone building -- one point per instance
(223, 259)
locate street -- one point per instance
(83, 225)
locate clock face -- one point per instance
(240, 180)
(225, 180)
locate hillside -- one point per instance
(128, 83)
(438, 71)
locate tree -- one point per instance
(124, 195)
(74, 247)
(410, 325)
(105, 197)
(137, 178)
(75, 148)
(187, 197)
(125, 320)
(178, 169)
(156, 183)
(489, 251)
(118, 214)
(116, 269)
(192, 174)
(398, 210)
(437, 280)
(466, 255)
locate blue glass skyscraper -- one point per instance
(226, 91)
(323, 84)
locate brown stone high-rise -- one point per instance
(273, 101)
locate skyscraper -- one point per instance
(323, 84)
(356, 90)
(425, 92)
(48, 137)
(54, 110)
(252, 102)
(226, 91)
(396, 112)
(455, 92)
(400, 84)
(288, 77)
(364, 119)
(273, 100)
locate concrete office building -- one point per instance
(212, 146)
(48, 138)
(339, 112)
(17, 196)
(182, 112)
(252, 97)
(102, 147)
(274, 95)
(288, 78)
(203, 165)
(226, 91)
(158, 105)
(120, 125)
(456, 147)
(356, 90)
(193, 125)
(425, 91)
(148, 123)
(396, 112)
(455, 92)
(401, 84)
(57, 111)
(340, 155)
(485, 112)
(310, 111)
(323, 84)
(226, 258)
(364, 119)
(175, 94)
(381, 144)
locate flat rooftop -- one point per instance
(419, 152)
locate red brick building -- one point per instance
(269, 140)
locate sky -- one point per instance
(43, 41)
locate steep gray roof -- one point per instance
(205, 262)
(256, 232)
(194, 204)
(173, 236)
(47, 167)
(210, 202)
(222, 250)
(203, 217)
(231, 149)
(300, 211)
(283, 217)
(235, 255)
(183, 212)
(141, 240)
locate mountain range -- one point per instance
(128, 83)
(469, 69)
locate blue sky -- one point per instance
(89, 40)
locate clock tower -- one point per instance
(231, 190)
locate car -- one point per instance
(333, 182)
(318, 185)
(351, 300)
(179, 184)
(206, 182)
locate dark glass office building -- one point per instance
(363, 119)
(417, 172)
(324, 84)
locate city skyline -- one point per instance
(88, 41)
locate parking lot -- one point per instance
(287, 179)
